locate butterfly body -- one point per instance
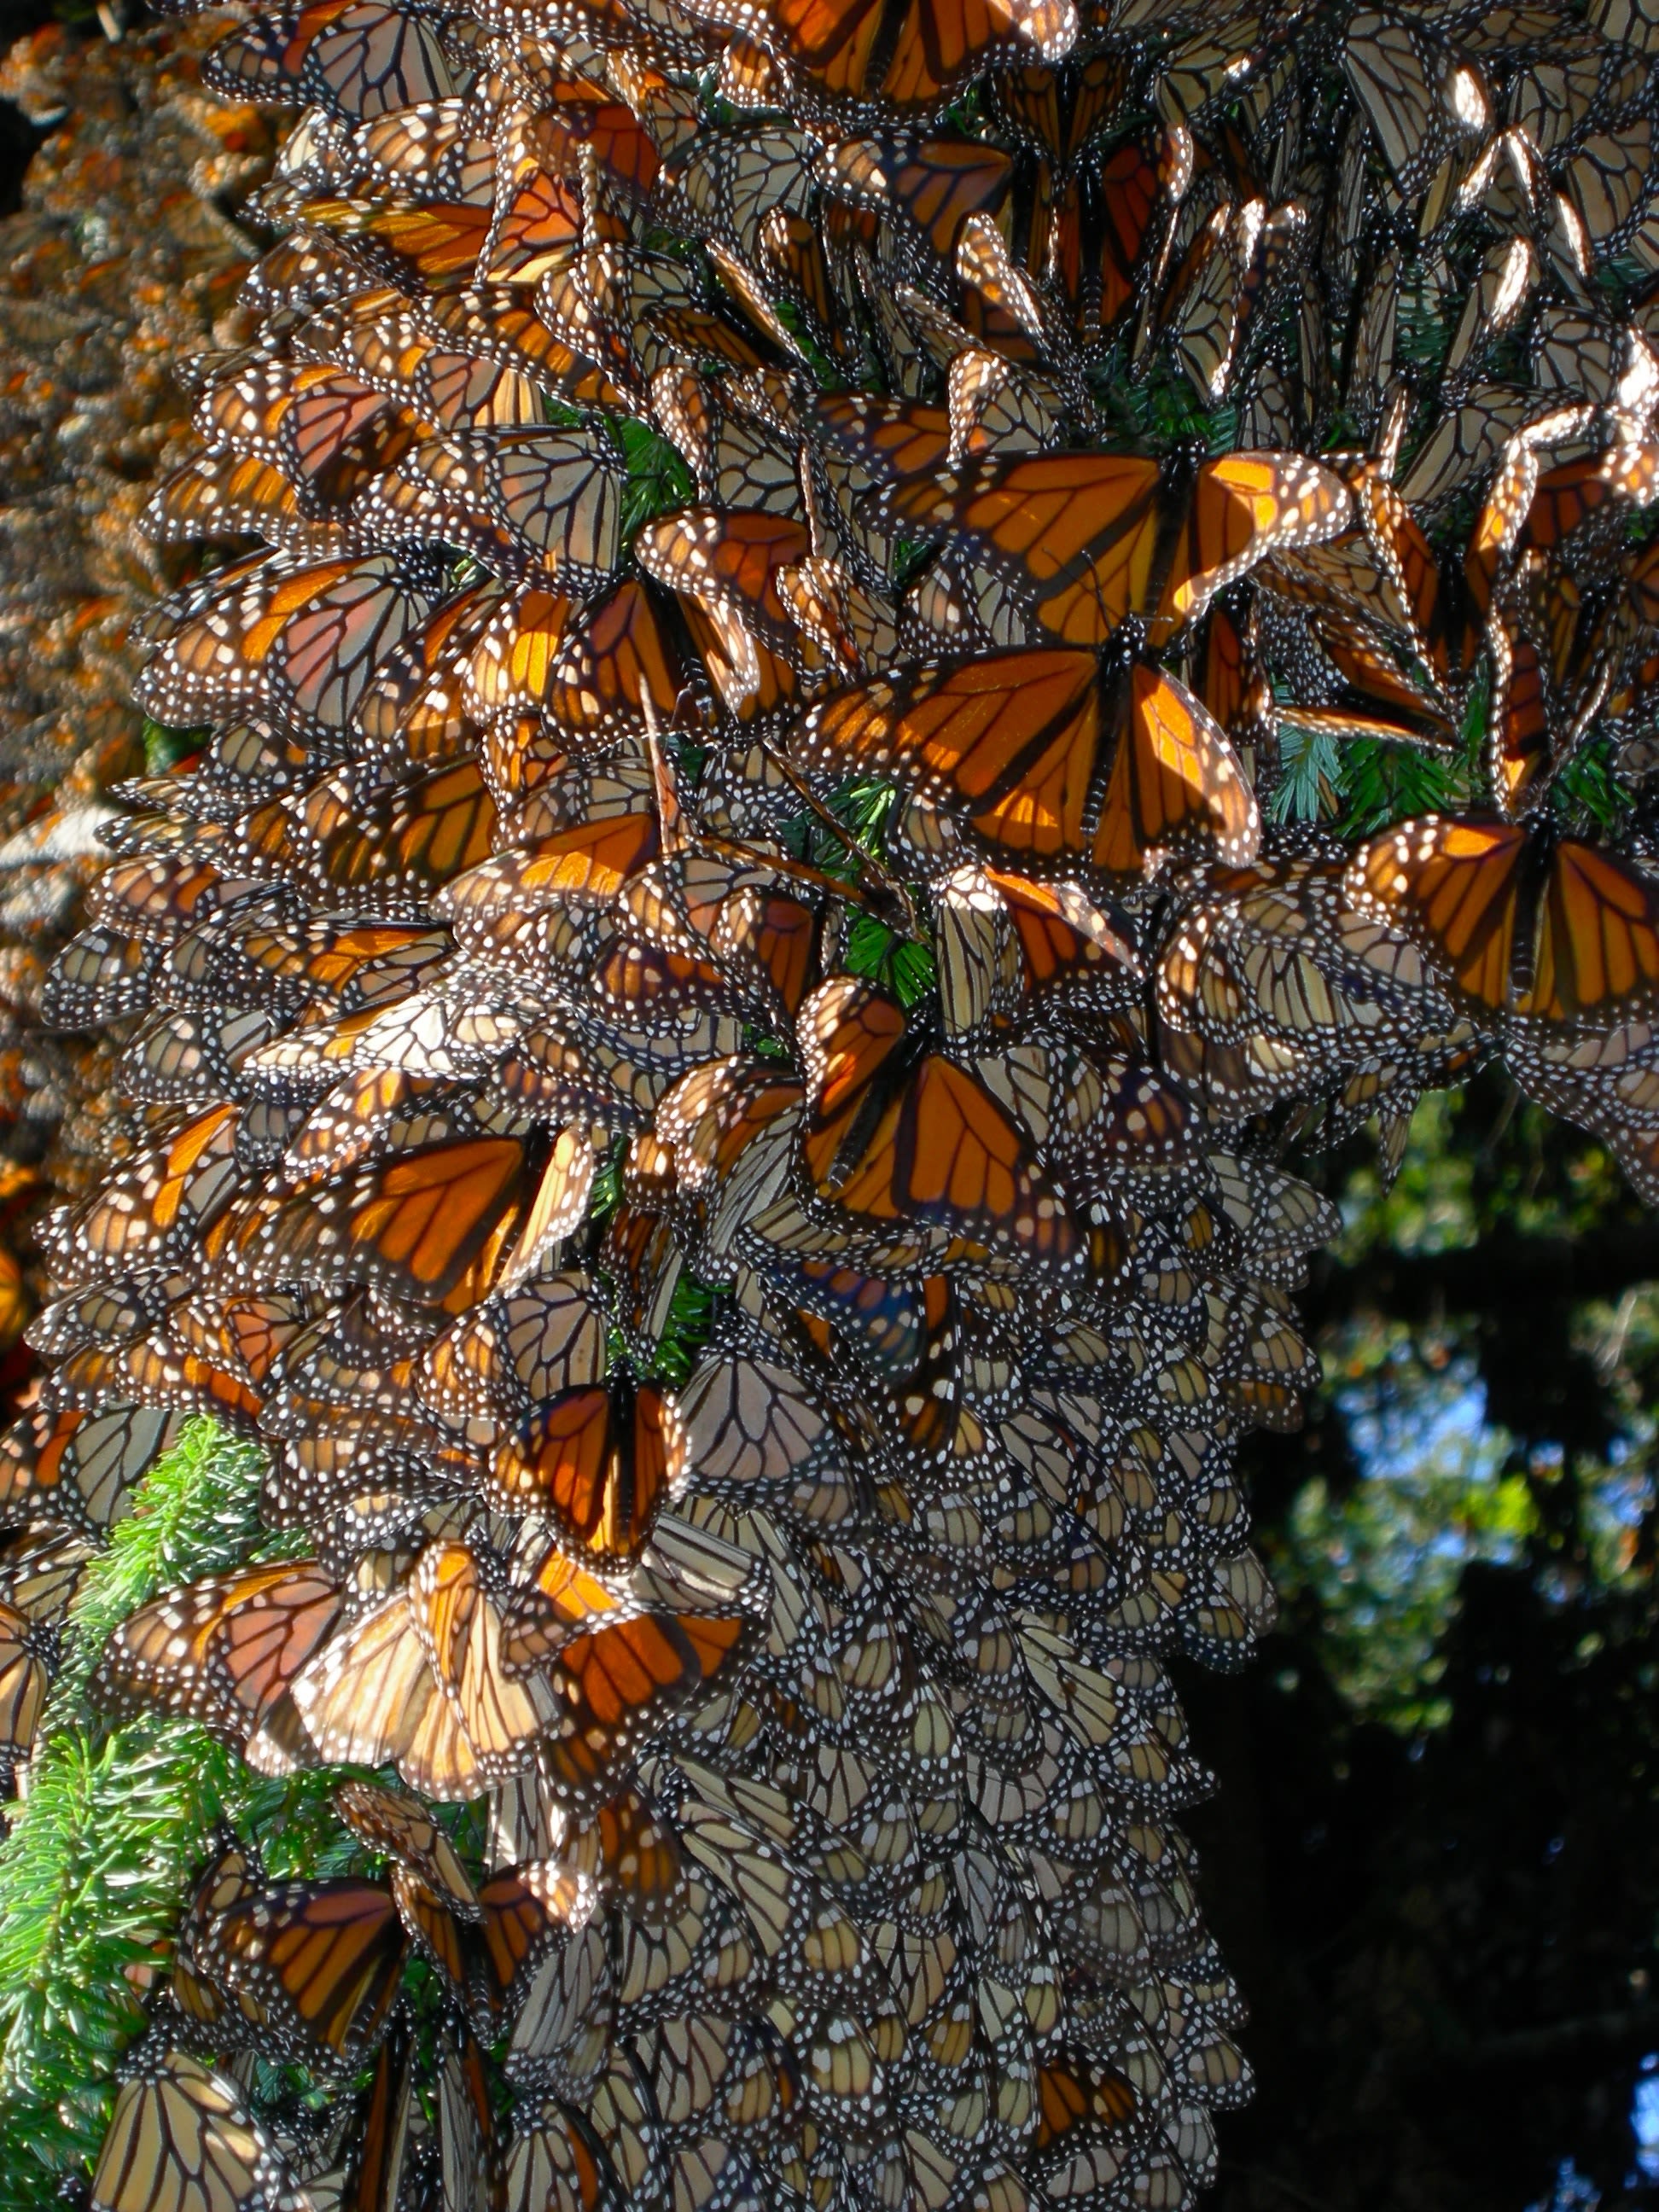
(1532, 925)
(1051, 755)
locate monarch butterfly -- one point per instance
(98, 976)
(81, 1467)
(627, 658)
(549, 500)
(1087, 540)
(24, 1676)
(1343, 721)
(596, 1461)
(761, 942)
(181, 2140)
(414, 1222)
(628, 1850)
(196, 1989)
(324, 1960)
(650, 988)
(378, 2142)
(740, 460)
(302, 274)
(518, 1348)
(381, 342)
(709, 1119)
(590, 864)
(642, 1257)
(305, 419)
(580, 115)
(343, 969)
(354, 55)
(729, 564)
(1388, 576)
(893, 1131)
(529, 1911)
(619, 1681)
(1521, 921)
(1270, 1221)
(729, 183)
(1112, 229)
(177, 1058)
(42, 1566)
(535, 223)
(557, 2160)
(151, 1372)
(1049, 756)
(411, 711)
(224, 495)
(495, 323)
(371, 1113)
(418, 1682)
(926, 187)
(400, 1826)
(386, 838)
(1527, 504)
(302, 642)
(1415, 95)
(354, 1369)
(1522, 726)
(151, 1211)
(838, 1300)
(993, 409)
(224, 1651)
(1225, 283)
(1010, 949)
(405, 247)
(434, 144)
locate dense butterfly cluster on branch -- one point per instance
(764, 867)
(124, 261)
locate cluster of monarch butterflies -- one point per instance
(123, 261)
(707, 1022)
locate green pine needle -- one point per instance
(164, 748)
(658, 482)
(113, 1826)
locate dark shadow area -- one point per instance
(1441, 1898)
(1449, 1952)
(19, 137)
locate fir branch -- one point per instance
(113, 1824)
(195, 1513)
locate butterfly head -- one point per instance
(1126, 646)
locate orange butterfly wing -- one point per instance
(1454, 887)
(334, 1949)
(1061, 937)
(1075, 2092)
(596, 1464)
(416, 1221)
(1597, 944)
(591, 862)
(225, 1649)
(935, 1148)
(1175, 784)
(618, 1680)
(1078, 533)
(1010, 741)
(1242, 507)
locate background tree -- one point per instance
(1435, 1850)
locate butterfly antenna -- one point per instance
(876, 892)
(893, 910)
(873, 880)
